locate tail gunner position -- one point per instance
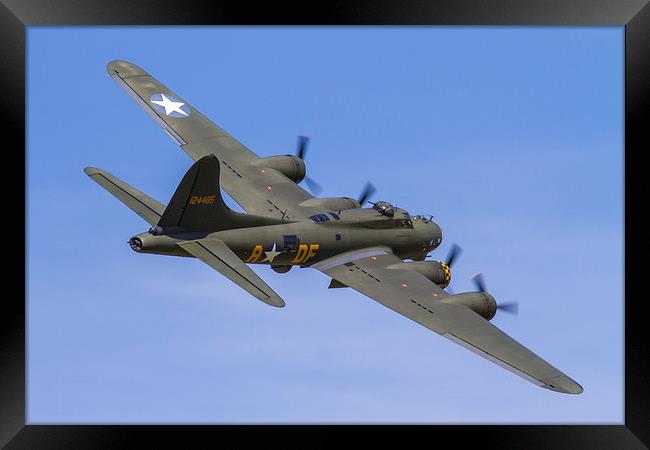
(379, 251)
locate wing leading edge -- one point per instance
(267, 192)
(417, 298)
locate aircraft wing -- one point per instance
(217, 255)
(414, 296)
(198, 137)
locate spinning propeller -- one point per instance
(316, 188)
(454, 253)
(368, 190)
(479, 282)
(509, 307)
(313, 186)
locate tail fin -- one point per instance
(197, 204)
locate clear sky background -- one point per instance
(511, 137)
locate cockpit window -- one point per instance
(318, 218)
(423, 218)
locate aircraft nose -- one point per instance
(432, 235)
(436, 233)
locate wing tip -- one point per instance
(276, 302)
(92, 171)
(564, 385)
(124, 69)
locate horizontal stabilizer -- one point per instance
(140, 203)
(217, 255)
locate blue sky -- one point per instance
(511, 137)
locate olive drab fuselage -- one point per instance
(308, 241)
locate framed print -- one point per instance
(506, 135)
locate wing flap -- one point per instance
(139, 202)
(217, 255)
(414, 296)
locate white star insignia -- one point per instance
(169, 105)
(270, 256)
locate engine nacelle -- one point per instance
(331, 203)
(291, 167)
(436, 271)
(481, 303)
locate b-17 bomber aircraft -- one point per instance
(378, 251)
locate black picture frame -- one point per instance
(634, 15)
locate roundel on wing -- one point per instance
(169, 105)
